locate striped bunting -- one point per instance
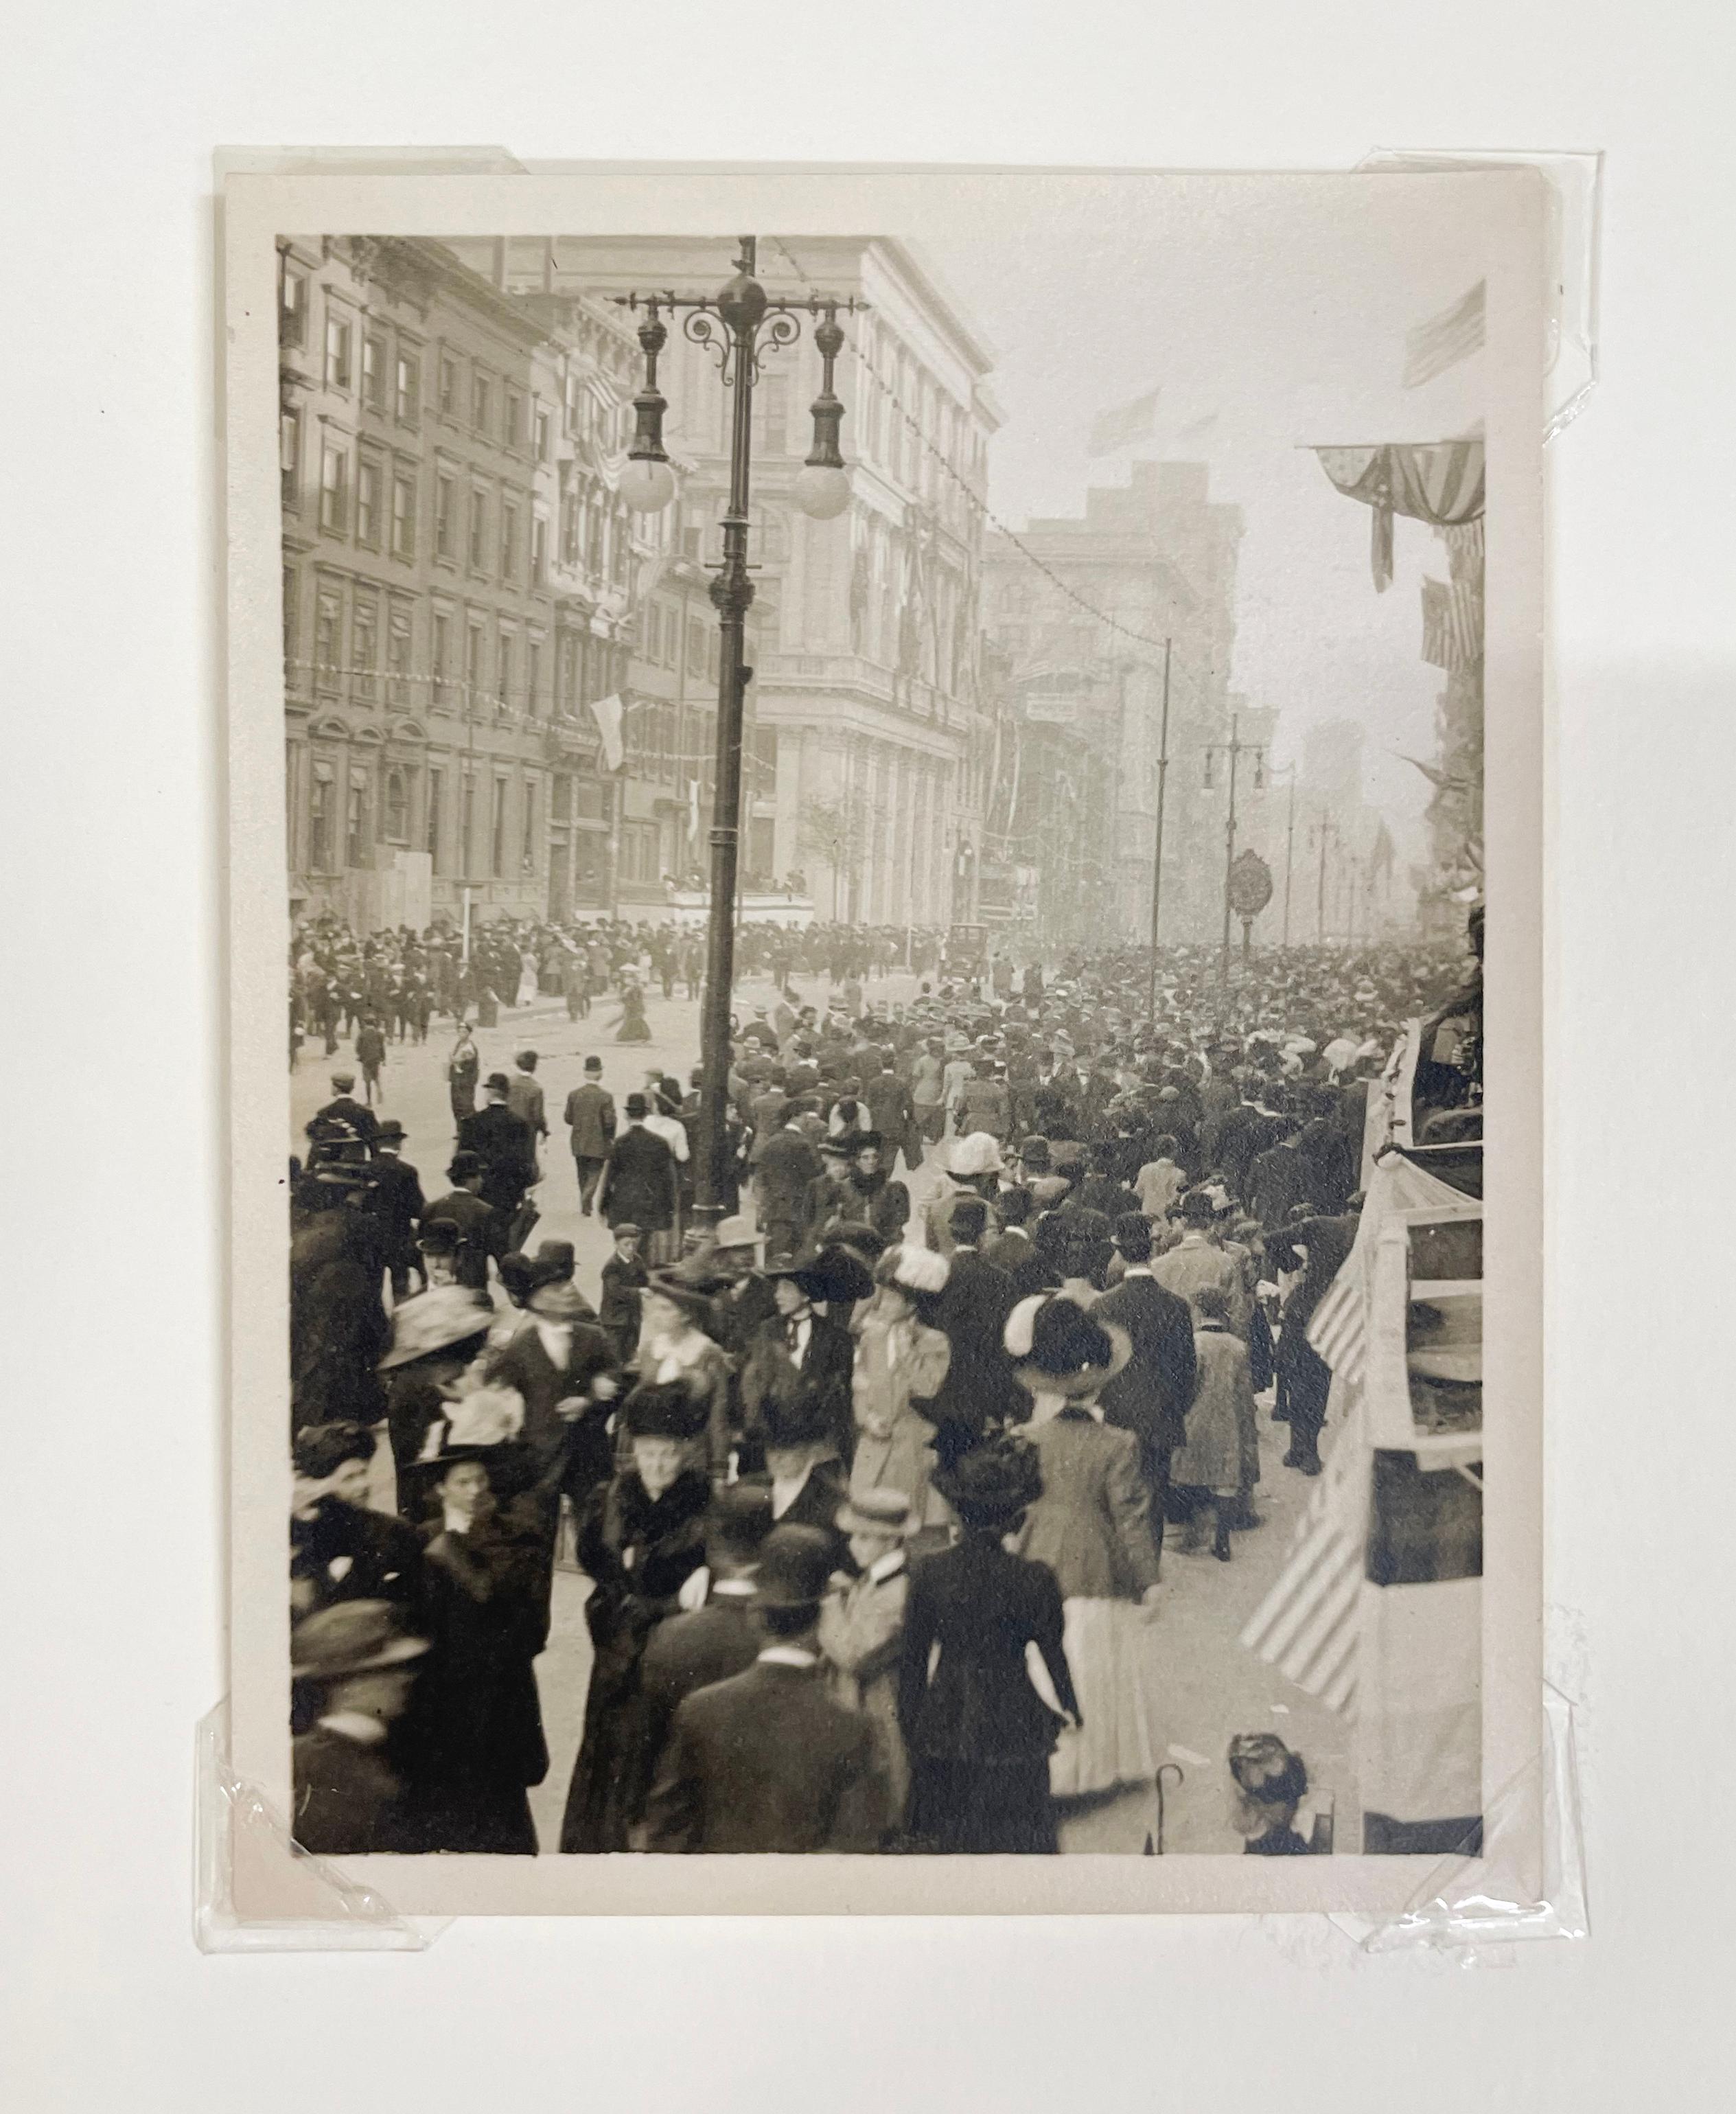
(1307, 1625)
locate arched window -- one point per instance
(397, 807)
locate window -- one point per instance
(319, 820)
(533, 677)
(403, 516)
(442, 657)
(398, 656)
(529, 860)
(326, 614)
(467, 828)
(568, 699)
(445, 517)
(407, 391)
(696, 647)
(545, 437)
(478, 527)
(514, 420)
(436, 802)
(292, 316)
(288, 455)
(772, 402)
(539, 547)
(509, 540)
(373, 374)
(364, 646)
(569, 530)
(693, 542)
(594, 541)
(481, 401)
(503, 668)
(355, 820)
(368, 502)
(449, 385)
(473, 660)
(337, 353)
(334, 495)
(291, 623)
(397, 807)
(497, 832)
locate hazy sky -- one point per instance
(1264, 322)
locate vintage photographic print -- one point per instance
(860, 871)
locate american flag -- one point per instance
(1452, 624)
(1308, 1624)
(1445, 340)
(1112, 431)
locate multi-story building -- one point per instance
(1082, 608)
(864, 631)
(459, 585)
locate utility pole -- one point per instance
(1235, 749)
(1290, 851)
(1325, 831)
(1157, 856)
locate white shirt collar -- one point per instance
(886, 1567)
(788, 1655)
(785, 1492)
(556, 1337)
(1136, 1270)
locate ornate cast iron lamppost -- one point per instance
(736, 324)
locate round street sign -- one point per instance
(1250, 884)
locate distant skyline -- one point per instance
(1259, 336)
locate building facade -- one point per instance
(459, 586)
(865, 631)
(1079, 610)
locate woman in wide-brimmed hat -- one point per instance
(1092, 1527)
(642, 1538)
(901, 1364)
(675, 1344)
(435, 1337)
(977, 1731)
(473, 1739)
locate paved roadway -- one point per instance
(1204, 1686)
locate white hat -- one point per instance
(979, 1153)
(914, 1268)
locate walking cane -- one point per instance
(1167, 1768)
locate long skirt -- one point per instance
(1106, 1642)
(982, 1808)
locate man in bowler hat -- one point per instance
(767, 1761)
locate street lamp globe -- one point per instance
(822, 491)
(648, 485)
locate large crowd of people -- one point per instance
(873, 1482)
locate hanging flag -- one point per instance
(606, 711)
(1112, 431)
(1452, 624)
(693, 810)
(1445, 340)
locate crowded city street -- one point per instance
(1197, 1688)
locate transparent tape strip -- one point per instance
(256, 1890)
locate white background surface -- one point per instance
(112, 832)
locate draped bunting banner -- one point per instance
(1439, 482)
(607, 713)
(1452, 624)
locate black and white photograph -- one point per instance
(860, 1178)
